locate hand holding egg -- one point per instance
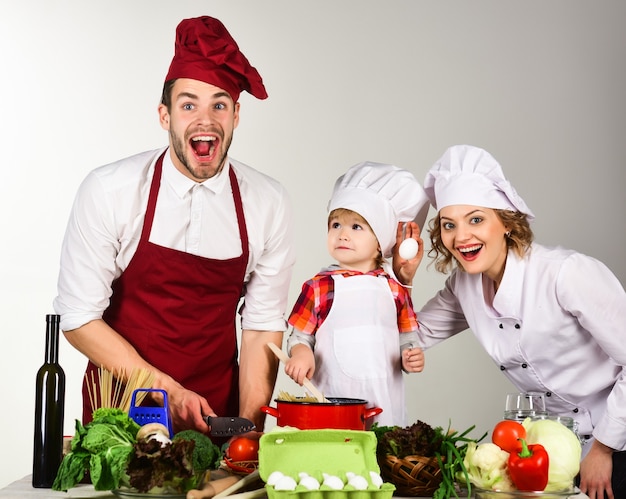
(408, 249)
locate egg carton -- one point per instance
(332, 454)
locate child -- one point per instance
(353, 324)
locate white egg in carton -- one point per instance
(321, 464)
(352, 481)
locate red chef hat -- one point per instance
(205, 51)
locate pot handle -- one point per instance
(372, 411)
(269, 410)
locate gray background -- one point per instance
(538, 84)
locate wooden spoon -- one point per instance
(307, 382)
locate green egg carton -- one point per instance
(315, 452)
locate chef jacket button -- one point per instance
(524, 365)
(502, 368)
(517, 326)
(501, 326)
(548, 394)
(576, 410)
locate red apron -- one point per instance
(178, 311)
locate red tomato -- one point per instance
(506, 434)
(243, 449)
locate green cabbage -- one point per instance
(563, 447)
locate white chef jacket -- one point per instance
(557, 325)
(107, 218)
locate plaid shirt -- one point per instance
(316, 299)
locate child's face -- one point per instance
(352, 243)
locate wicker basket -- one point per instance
(414, 476)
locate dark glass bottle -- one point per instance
(49, 409)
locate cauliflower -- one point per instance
(486, 466)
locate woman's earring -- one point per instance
(507, 233)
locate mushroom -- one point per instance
(154, 431)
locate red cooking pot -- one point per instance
(337, 413)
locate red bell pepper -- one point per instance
(529, 467)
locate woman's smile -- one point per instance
(471, 252)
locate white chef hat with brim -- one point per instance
(383, 195)
(468, 175)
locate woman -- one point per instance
(551, 318)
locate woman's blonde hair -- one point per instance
(339, 212)
(519, 238)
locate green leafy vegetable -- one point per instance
(206, 455)
(102, 447)
(160, 468)
(451, 461)
(420, 439)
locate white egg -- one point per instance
(285, 483)
(376, 479)
(309, 482)
(357, 481)
(274, 477)
(408, 248)
(332, 481)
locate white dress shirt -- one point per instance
(107, 218)
(555, 325)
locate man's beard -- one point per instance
(201, 174)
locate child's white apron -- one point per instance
(357, 347)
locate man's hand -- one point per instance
(105, 347)
(595, 472)
(186, 407)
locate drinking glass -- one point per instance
(520, 406)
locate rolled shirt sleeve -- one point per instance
(107, 217)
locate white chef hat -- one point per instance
(383, 195)
(470, 175)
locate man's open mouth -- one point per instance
(204, 146)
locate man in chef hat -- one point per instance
(552, 319)
(161, 246)
(353, 324)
